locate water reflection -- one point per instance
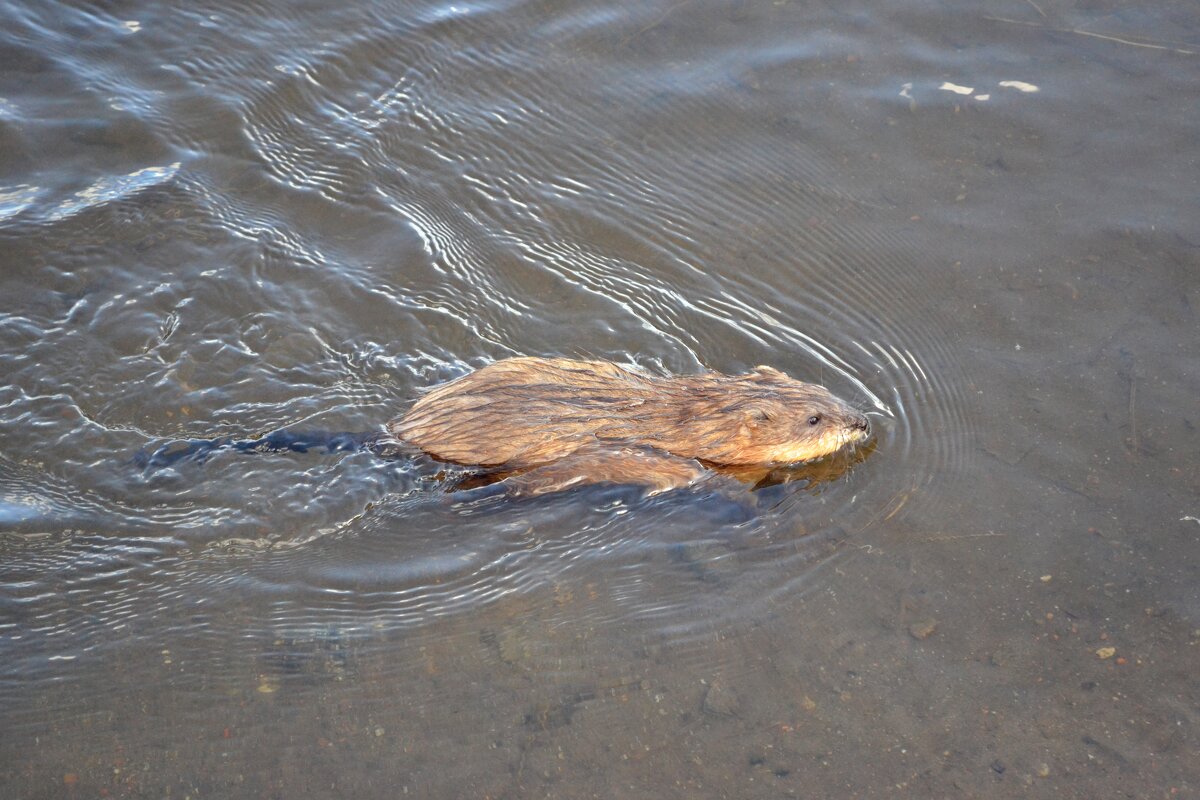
(356, 206)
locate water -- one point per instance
(226, 219)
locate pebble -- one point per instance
(720, 700)
(922, 630)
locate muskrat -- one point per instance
(545, 424)
(550, 423)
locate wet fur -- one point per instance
(562, 422)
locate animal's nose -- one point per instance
(862, 424)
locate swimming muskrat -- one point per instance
(545, 424)
(550, 423)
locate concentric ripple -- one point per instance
(305, 219)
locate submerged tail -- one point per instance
(378, 442)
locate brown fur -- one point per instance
(602, 422)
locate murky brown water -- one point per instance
(980, 224)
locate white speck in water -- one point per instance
(131, 25)
(954, 87)
(450, 11)
(982, 97)
(1021, 86)
(905, 89)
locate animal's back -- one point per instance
(524, 411)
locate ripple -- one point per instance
(330, 212)
(15, 199)
(114, 187)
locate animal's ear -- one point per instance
(768, 373)
(755, 417)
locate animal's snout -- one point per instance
(861, 424)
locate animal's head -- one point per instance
(785, 421)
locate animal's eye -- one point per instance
(814, 419)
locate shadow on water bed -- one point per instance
(979, 226)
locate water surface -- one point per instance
(224, 219)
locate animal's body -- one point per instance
(550, 423)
